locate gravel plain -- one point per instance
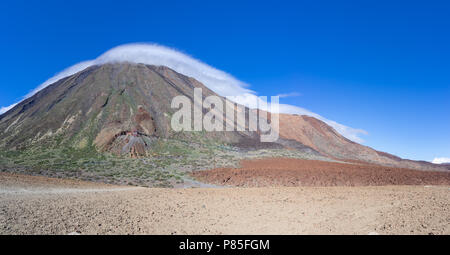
(41, 205)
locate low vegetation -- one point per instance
(168, 162)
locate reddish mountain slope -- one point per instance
(324, 139)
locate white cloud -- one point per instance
(7, 108)
(64, 73)
(220, 82)
(440, 160)
(292, 94)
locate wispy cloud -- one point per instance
(219, 81)
(441, 160)
(7, 108)
(64, 73)
(292, 94)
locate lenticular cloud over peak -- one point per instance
(219, 81)
(152, 54)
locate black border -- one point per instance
(286, 244)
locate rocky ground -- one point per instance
(299, 172)
(41, 205)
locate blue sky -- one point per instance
(379, 66)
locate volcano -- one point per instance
(119, 108)
(124, 109)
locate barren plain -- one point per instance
(42, 205)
